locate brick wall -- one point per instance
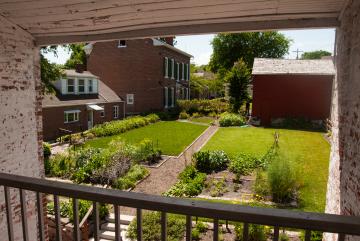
(20, 120)
(343, 195)
(136, 69)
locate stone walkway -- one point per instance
(162, 178)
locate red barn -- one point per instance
(284, 88)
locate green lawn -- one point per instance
(309, 149)
(204, 120)
(171, 136)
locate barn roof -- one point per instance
(293, 66)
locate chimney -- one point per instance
(79, 68)
(170, 40)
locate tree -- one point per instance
(230, 47)
(50, 72)
(78, 55)
(238, 78)
(315, 54)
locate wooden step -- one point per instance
(124, 219)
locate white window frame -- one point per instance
(102, 113)
(166, 93)
(67, 86)
(166, 62)
(130, 99)
(73, 112)
(115, 111)
(182, 71)
(90, 85)
(120, 45)
(83, 85)
(172, 69)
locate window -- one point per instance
(172, 97)
(177, 71)
(166, 97)
(102, 113)
(166, 69)
(70, 86)
(172, 68)
(71, 116)
(121, 44)
(169, 103)
(81, 86)
(90, 86)
(169, 69)
(129, 99)
(182, 71)
(187, 72)
(115, 111)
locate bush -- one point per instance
(46, 150)
(315, 236)
(209, 161)
(230, 119)
(145, 152)
(283, 179)
(241, 165)
(203, 107)
(261, 186)
(151, 226)
(120, 126)
(183, 115)
(191, 183)
(256, 232)
(129, 180)
(61, 165)
(196, 115)
(216, 187)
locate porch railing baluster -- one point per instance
(23, 214)
(139, 224)
(9, 217)
(76, 219)
(40, 216)
(341, 237)
(188, 228)
(307, 235)
(117, 223)
(276, 233)
(216, 230)
(246, 232)
(96, 221)
(163, 226)
(57, 218)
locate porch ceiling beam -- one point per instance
(178, 29)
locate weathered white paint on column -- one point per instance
(20, 119)
(343, 196)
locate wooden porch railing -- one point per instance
(342, 225)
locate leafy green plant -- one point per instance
(261, 186)
(209, 161)
(230, 119)
(135, 174)
(216, 187)
(146, 152)
(183, 115)
(151, 226)
(46, 149)
(315, 236)
(284, 237)
(191, 183)
(61, 165)
(202, 106)
(242, 164)
(283, 179)
(256, 232)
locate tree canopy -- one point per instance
(230, 47)
(50, 72)
(78, 55)
(318, 54)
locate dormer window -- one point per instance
(70, 86)
(81, 86)
(90, 86)
(121, 44)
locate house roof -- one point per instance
(264, 66)
(73, 73)
(157, 42)
(105, 95)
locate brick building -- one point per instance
(149, 74)
(284, 88)
(81, 101)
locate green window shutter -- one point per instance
(165, 67)
(169, 97)
(176, 67)
(169, 69)
(188, 77)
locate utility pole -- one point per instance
(297, 53)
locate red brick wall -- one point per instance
(53, 119)
(300, 96)
(136, 69)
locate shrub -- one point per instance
(195, 115)
(242, 164)
(284, 237)
(183, 115)
(129, 180)
(46, 150)
(191, 183)
(120, 126)
(209, 161)
(256, 232)
(145, 152)
(216, 187)
(315, 236)
(151, 226)
(230, 119)
(203, 107)
(261, 186)
(61, 165)
(283, 179)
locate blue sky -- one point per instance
(200, 45)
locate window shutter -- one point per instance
(169, 97)
(169, 69)
(165, 97)
(165, 67)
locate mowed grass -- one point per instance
(308, 149)
(170, 136)
(204, 120)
